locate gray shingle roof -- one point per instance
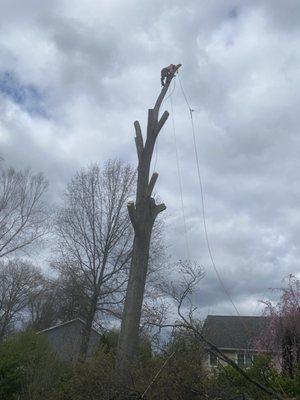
(233, 332)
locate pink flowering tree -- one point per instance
(282, 332)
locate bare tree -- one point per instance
(23, 213)
(19, 281)
(63, 297)
(59, 300)
(43, 308)
(95, 238)
(70, 296)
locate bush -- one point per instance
(290, 386)
(88, 381)
(28, 369)
(227, 382)
(180, 371)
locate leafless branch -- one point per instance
(23, 211)
(20, 281)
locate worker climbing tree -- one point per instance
(167, 74)
(142, 215)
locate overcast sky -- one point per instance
(74, 75)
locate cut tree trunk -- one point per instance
(142, 215)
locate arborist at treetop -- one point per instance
(167, 73)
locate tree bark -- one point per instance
(3, 324)
(142, 215)
(87, 330)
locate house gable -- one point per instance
(235, 336)
(233, 332)
(65, 339)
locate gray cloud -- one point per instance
(97, 66)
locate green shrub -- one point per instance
(227, 382)
(94, 379)
(28, 369)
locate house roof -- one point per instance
(72, 321)
(233, 332)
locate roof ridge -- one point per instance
(66, 323)
(236, 316)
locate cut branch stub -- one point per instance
(132, 214)
(159, 208)
(152, 183)
(161, 122)
(138, 138)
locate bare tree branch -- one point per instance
(23, 211)
(19, 282)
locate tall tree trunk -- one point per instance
(142, 215)
(86, 333)
(3, 326)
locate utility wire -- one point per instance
(246, 328)
(184, 219)
(157, 374)
(203, 202)
(180, 182)
(183, 212)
